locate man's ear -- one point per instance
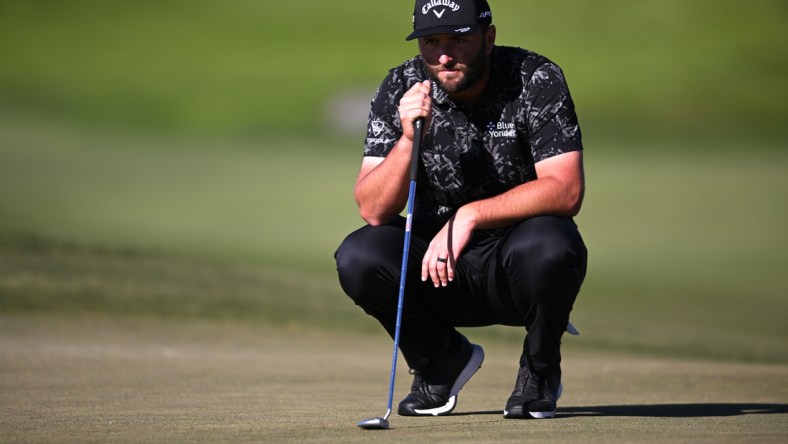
(489, 38)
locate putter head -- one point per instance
(374, 424)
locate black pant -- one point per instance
(530, 277)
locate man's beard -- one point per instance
(471, 73)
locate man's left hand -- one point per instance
(439, 263)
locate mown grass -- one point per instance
(40, 275)
(45, 276)
(123, 379)
(288, 204)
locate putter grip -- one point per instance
(414, 162)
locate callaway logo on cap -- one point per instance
(449, 17)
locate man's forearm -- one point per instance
(559, 191)
(381, 190)
(537, 198)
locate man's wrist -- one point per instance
(468, 216)
(404, 144)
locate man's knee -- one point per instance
(366, 247)
(366, 259)
(546, 237)
(544, 246)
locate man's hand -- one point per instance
(415, 104)
(440, 259)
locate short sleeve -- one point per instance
(383, 125)
(550, 112)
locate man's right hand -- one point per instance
(415, 104)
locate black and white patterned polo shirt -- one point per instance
(525, 115)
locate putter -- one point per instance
(383, 423)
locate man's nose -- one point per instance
(445, 58)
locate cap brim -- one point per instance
(453, 30)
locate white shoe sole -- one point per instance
(437, 411)
(544, 415)
(477, 357)
(535, 415)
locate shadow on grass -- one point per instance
(675, 410)
(660, 410)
